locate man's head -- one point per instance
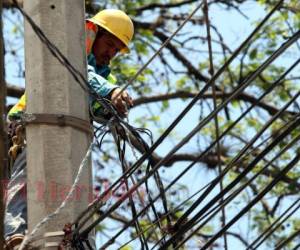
(114, 34)
(106, 46)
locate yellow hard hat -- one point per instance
(117, 23)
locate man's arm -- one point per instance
(18, 109)
(99, 84)
(105, 89)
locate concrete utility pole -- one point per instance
(3, 139)
(54, 152)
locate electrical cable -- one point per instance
(254, 201)
(183, 228)
(232, 162)
(121, 153)
(212, 72)
(148, 152)
(212, 145)
(283, 243)
(160, 49)
(171, 211)
(239, 89)
(76, 74)
(240, 189)
(275, 225)
(274, 86)
(176, 121)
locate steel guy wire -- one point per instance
(21, 10)
(176, 121)
(37, 227)
(238, 191)
(56, 52)
(277, 223)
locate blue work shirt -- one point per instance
(97, 77)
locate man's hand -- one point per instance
(121, 101)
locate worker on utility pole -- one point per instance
(107, 33)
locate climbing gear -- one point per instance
(73, 241)
(99, 114)
(13, 242)
(117, 23)
(67, 237)
(18, 142)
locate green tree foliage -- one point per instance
(167, 85)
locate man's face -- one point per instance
(105, 47)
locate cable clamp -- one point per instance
(58, 119)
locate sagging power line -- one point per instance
(128, 172)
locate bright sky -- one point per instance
(234, 32)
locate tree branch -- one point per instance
(180, 57)
(192, 70)
(14, 91)
(116, 216)
(152, 6)
(292, 182)
(210, 159)
(186, 94)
